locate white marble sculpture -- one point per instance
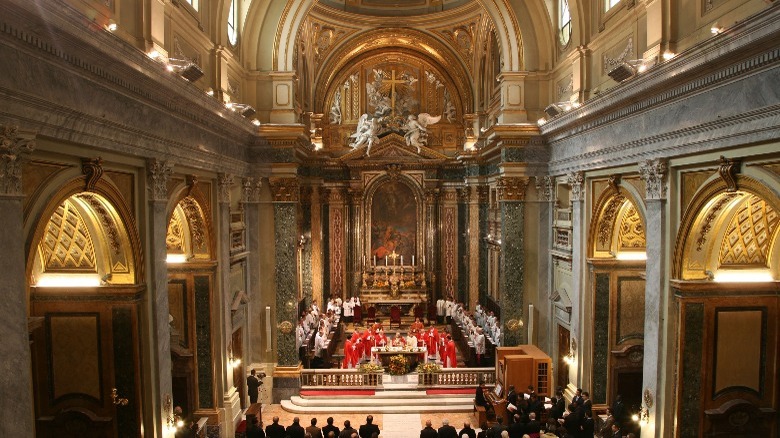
(335, 109)
(416, 129)
(449, 107)
(367, 130)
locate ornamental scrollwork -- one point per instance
(159, 172)
(728, 170)
(285, 189)
(577, 182)
(653, 173)
(544, 186)
(92, 169)
(224, 183)
(12, 148)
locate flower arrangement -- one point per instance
(398, 365)
(370, 368)
(428, 368)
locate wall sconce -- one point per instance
(629, 69)
(643, 416)
(173, 419)
(234, 362)
(111, 25)
(715, 29)
(185, 68)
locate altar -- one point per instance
(386, 286)
(413, 355)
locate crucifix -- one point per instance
(393, 81)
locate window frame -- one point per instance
(232, 29)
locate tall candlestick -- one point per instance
(364, 260)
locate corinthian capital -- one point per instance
(224, 183)
(512, 188)
(653, 173)
(158, 174)
(13, 148)
(285, 189)
(577, 182)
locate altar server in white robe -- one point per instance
(349, 309)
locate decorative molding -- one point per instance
(285, 189)
(654, 173)
(544, 186)
(106, 219)
(512, 188)
(631, 234)
(565, 86)
(159, 172)
(728, 171)
(610, 63)
(608, 217)
(336, 195)
(92, 169)
(748, 238)
(577, 182)
(192, 184)
(393, 171)
(708, 220)
(248, 189)
(195, 218)
(614, 183)
(13, 149)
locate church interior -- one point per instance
(182, 179)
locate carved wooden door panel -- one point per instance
(85, 365)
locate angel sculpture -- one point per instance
(416, 129)
(335, 109)
(367, 130)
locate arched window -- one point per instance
(232, 25)
(193, 3)
(564, 21)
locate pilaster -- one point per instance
(512, 86)
(654, 174)
(283, 110)
(16, 407)
(474, 233)
(430, 264)
(251, 205)
(355, 240)
(511, 198)
(576, 181)
(337, 240)
(483, 211)
(158, 174)
(449, 241)
(305, 248)
(285, 193)
(543, 335)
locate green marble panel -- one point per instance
(124, 372)
(306, 267)
(512, 268)
(463, 254)
(286, 238)
(453, 174)
(326, 286)
(483, 252)
(203, 336)
(690, 403)
(600, 338)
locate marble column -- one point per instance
(449, 242)
(474, 250)
(305, 250)
(432, 240)
(511, 198)
(317, 245)
(545, 335)
(463, 248)
(158, 174)
(225, 387)
(251, 205)
(483, 213)
(16, 404)
(355, 241)
(654, 174)
(285, 192)
(577, 182)
(337, 241)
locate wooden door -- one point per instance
(562, 376)
(82, 352)
(239, 373)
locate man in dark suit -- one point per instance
(253, 387)
(313, 430)
(497, 428)
(274, 430)
(330, 428)
(511, 395)
(577, 397)
(616, 433)
(447, 431)
(367, 429)
(347, 431)
(559, 406)
(295, 430)
(467, 430)
(254, 430)
(516, 429)
(533, 426)
(587, 404)
(619, 410)
(479, 398)
(428, 431)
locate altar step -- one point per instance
(392, 401)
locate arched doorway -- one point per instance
(85, 297)
(617, 259)
(725, 272)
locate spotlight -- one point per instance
(715, 29)
(111, 26)
(210, 91)
(541, 121)
(256, 122)
(243, 109)
(668, 55)
(622, 71)
(154, 54)
(186, 68)
(553, 110)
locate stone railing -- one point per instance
(340, 378)
(459, 377)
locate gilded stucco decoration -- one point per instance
(749, 235)
(106, 219)
(607, 218)
(631, 233)
(463, 37)
(92, 169)
(175, 237)
(67, 244)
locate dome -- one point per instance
(394, 8)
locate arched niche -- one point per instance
(84, 239)
(388, 203)
(618, 228)
(729, 236)
(189, 234)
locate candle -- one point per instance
(374, 259)
(412, 260)
(402, 260)
(385, 260)
(364, 260)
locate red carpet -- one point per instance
(353, 392)
(453, 391)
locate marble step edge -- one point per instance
(367, 401)
(390, 395)
(408, 408)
